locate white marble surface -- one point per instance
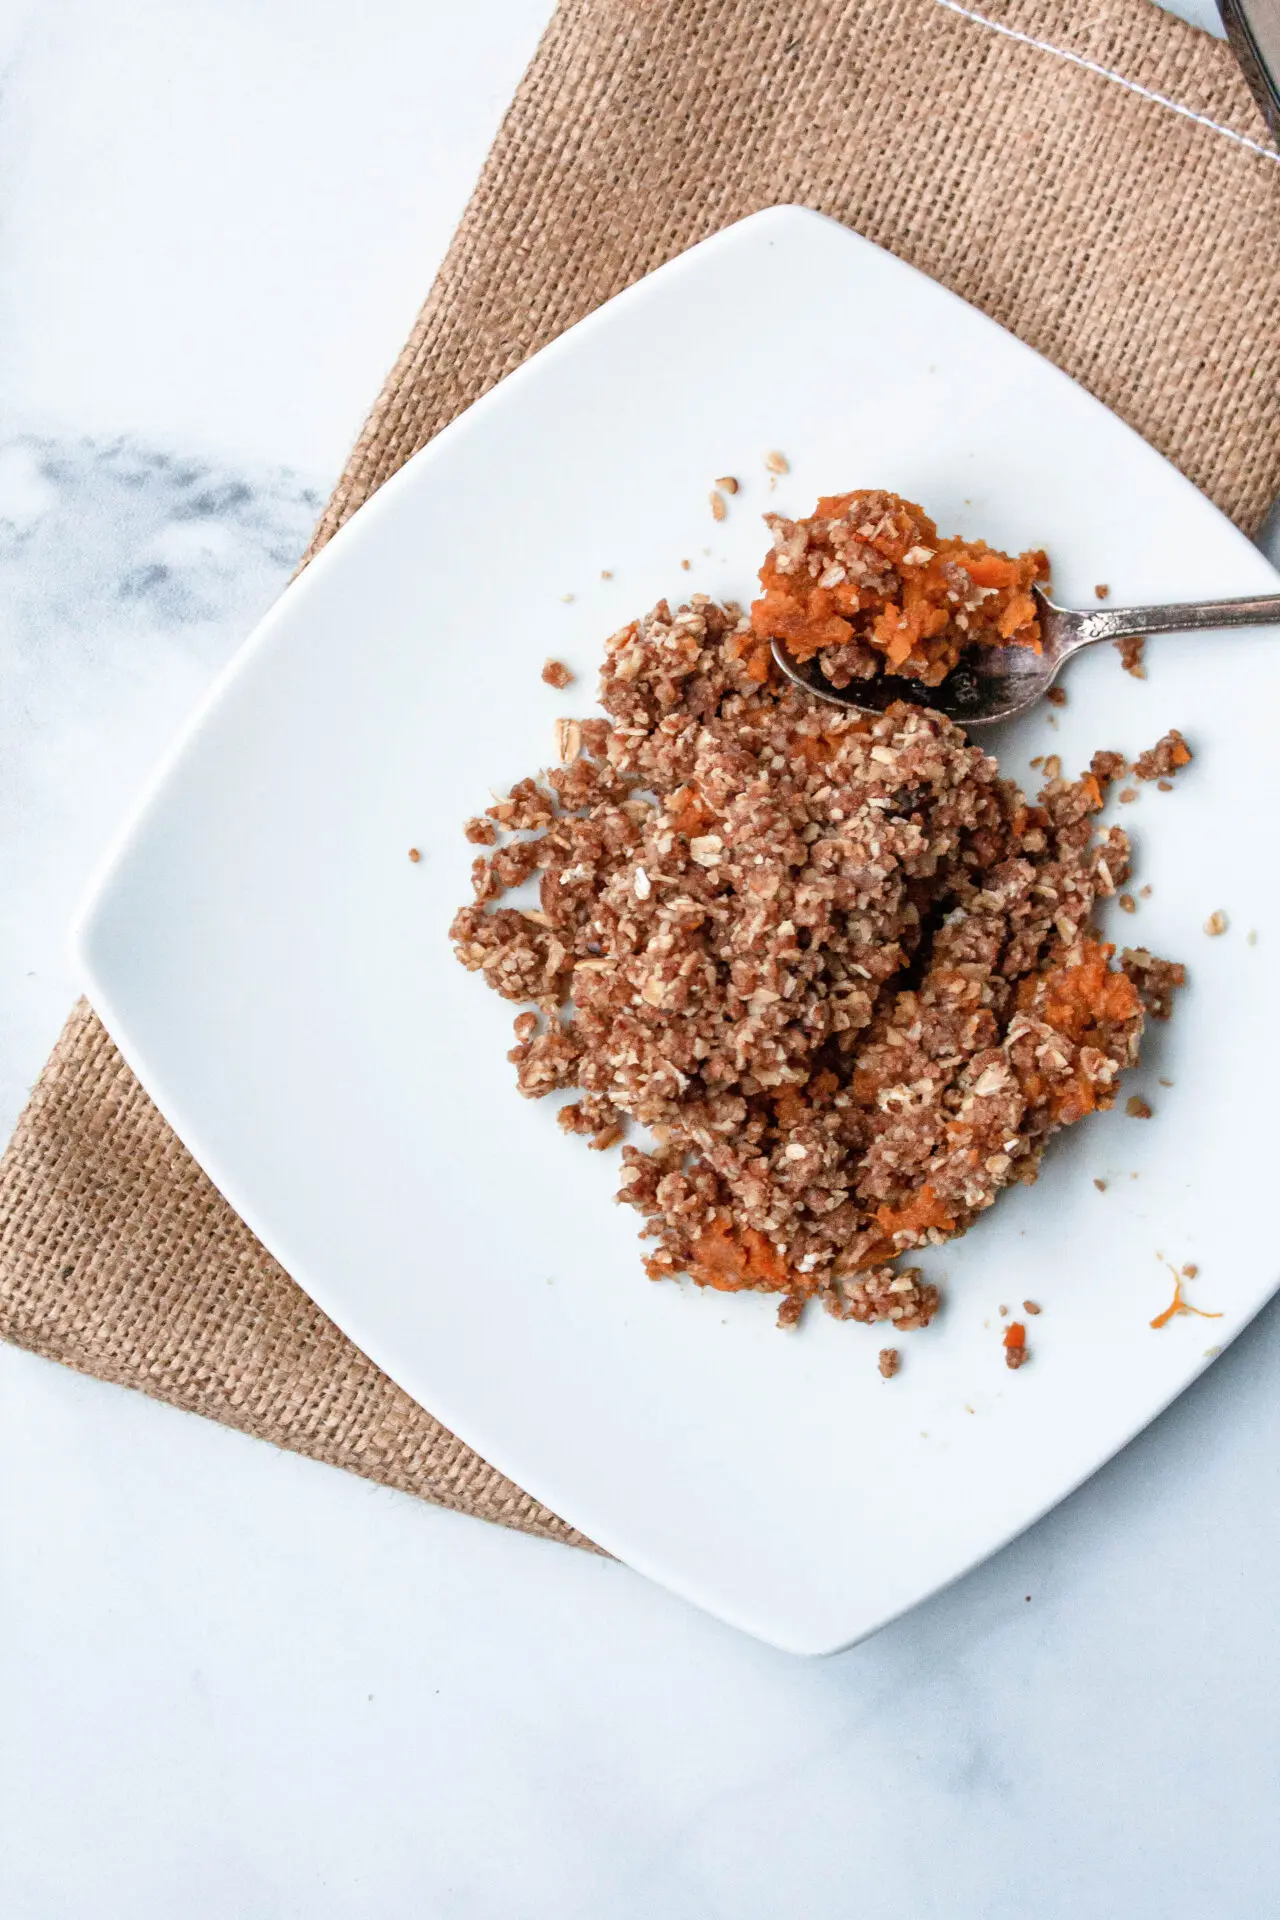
(235, 1683)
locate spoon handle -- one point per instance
(1187, 616)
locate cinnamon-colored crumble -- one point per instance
(1163, 760)
(867, 585)
(890, 1361)
(843, 972)
(1156, 980)
(1130, 650)
(555, 673)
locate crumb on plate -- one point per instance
(1016, 1350)
(1130, 650)
(1163, 760)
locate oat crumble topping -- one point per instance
(843, 972)
(1130, 651)
(890, 1361)
(556, 674)
(1163, 760)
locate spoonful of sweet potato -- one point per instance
(863, 604)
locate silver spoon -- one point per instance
(994, 683)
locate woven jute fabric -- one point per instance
(1091, 173)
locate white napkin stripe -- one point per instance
(1108, 73)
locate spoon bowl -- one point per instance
(995, 683)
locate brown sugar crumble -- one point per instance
(867, 586)
(555, 673)
(481, 832)
(1163, 760)
(843, 972)
(890, 1361)
(1102, 590)
(1130, 650)
(1156, 980)
(1137, 1108)
(1128, 795)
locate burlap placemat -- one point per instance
(1090, 172)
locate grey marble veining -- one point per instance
(128, 575)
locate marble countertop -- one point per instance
(235, 1682)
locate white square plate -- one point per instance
(279, 974)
